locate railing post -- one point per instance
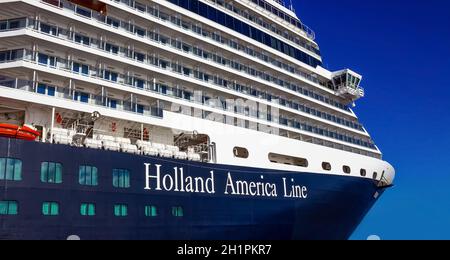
(37, 25)
(52, 125)
(132, 107)
(34, 52)
(34, 85)
(104, 101)
(70, 88)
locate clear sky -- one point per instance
(402, 48)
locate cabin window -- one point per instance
(10, 169)
(88, 176)
(111, 48)
(347, 169)
(3, 25)
(375, 175)
(363, 172)
(87, 209)
(46, 60)
(288, 160)
(139, 56)
(82, 39)
(80, 68)
(139, 109)
(49, 29)
(110, 75)
(50, 209)
(51, 91)
(120, 210)
(51, 172)
(113, 22)
(151, 211)
(112, 103)
(83, 11)
(139, 31)
(326, 166)
(81, 97)
(177, 211)
(240, 152)
(8, 207)
(46, 90)
(139, 83)
(121, 178)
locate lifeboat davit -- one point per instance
(18, 132)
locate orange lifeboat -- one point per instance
(18, 132)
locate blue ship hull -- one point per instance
(331, 208)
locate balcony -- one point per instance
(86, 98)
(94, 43)
(64, 92)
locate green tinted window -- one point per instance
(2, 168)
(87, 209)
(121, 178)
(120, 210)
(3, 207)
(50, 209)
(8, 208)
(58, 173)
(151, 211)
(51, 172)
(88, 175)
(177, 211)
(17, 170)
(12, 208)
(94, 176)
(10, 169)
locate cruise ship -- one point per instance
(177, 120)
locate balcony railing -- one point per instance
(176, 21)
(125, 53)
(72, 95)
(122, 80)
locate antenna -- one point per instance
(291, 6)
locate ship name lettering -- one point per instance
(250, 188)
(294, 191)
(176, 181)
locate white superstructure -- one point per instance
(154, 78)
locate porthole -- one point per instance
(347, 169)
(326, 166)
(375, 175)
(363, 172)
(240, 152)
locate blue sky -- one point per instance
(402, 48)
